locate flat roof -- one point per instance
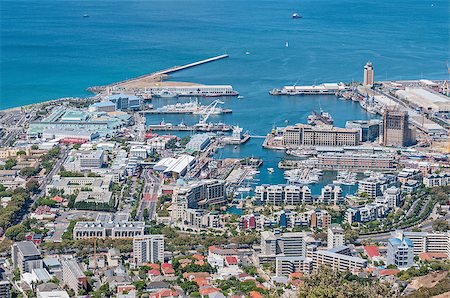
(27, 248)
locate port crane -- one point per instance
(208, 110)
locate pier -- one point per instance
(205, 128)
(224, 111)
(162, 73)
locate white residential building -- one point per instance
(400, 251)
(148, 249)
(335, 236)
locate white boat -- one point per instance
(247, 53)
(296, 16)
(240, 97)
(287, 44)
(166, 94)
(271, 170)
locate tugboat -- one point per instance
(296, 16)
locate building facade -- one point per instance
(148, 249)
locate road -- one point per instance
(43, 185)
(424, 226)
(150, 195)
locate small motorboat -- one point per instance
(270, 170)
(85, 16)
(240, 97)
(296, 16)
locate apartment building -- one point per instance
(429, 242)
(437, 180)
(26, 256)
(400, 251)
(368, 212)
(332, 195)
(285, 265)
(336, 259)
(73, 276)
(148, 249)
(197, 195)
(335, 236)
(283, 194)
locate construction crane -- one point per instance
(208, 110)
(95, 254)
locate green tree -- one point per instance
(10, 163)
(441, 225)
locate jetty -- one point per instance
(154, 77)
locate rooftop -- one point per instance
(27, 248)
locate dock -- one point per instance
(211, 128)
(224, 111)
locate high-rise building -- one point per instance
(73, 276)
(335, 236)
(148, 248)
(368, 74)
(396, 131)
(400, 251)
(26, 256)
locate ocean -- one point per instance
(49, 50)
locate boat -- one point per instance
(322, 118)
(166, 94)
(270, 170)
(247, 53)
(296, 16)
(85, 16)
(287, 44)
(235, 147)
(240, 97)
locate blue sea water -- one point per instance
(48, 50)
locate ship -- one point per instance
(165, 94)
(296, 16)
(322, 118)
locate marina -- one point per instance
(191, 107)
(303, 176)
(207, 127)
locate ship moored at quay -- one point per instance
(322, 89)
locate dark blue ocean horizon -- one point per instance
(48, 50)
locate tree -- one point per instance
(10, 163)
(351, 235)
(328, 283)
(28, 171)
(441, 225)
(16, 233)
(32, 186)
